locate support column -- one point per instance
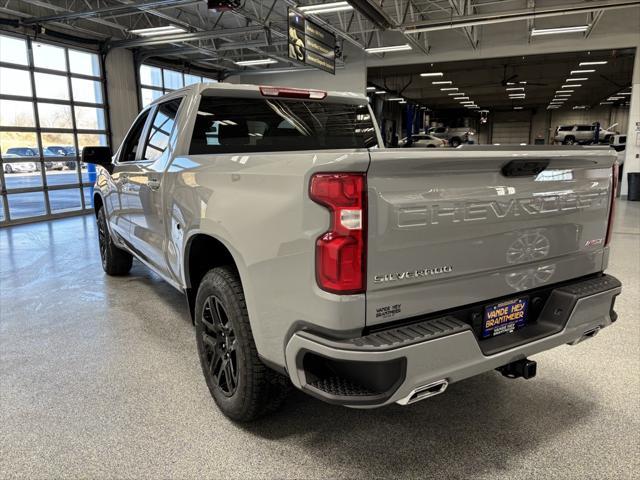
(632, 157)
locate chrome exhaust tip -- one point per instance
(425, 391)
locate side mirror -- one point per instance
(97, 155)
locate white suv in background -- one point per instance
(572, 134)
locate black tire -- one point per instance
(455, 142)
(569, 140)
(115, 261)
(241, 385)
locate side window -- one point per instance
(130, 146)
(161, 128)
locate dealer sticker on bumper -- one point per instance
(504, 317)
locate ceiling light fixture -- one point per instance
(471, 102)
(442, 82)
(579, 79)
(564, 91)
(431, 74)
(371, 89)
(455, 93)
(615, 98)
(262, 61)
(461, 98)
(624, 93)
(576, 85)
(577, 72)
(150, 32)
(552, 31)
(326, 8)
(584, 64)
(390, 48)
(517, 108)
(396, 99)
(606, 103)
(449, 89)
(380, 92)
(515, 88)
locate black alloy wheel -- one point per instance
(219, 342)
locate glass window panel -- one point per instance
(66, 200)
(150, 76)
(49, 56)
(89, 91)
(54, 116)
(59, 154)
(149, 96)
(172, 79)
(15, 82)
(13, 50)
(15, 113)
(191, 79)
(24, 205)
(90, 118)
(88, 197)
(51, 86)
(161, 129)
(84, 63)
(21, 159)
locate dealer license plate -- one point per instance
(504, 317)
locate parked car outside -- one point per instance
(618, 142)
(455, 136)
(580, 134)
(423, 140)
(63, 151)
(25, 152)
(17, 167)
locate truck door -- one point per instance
(145, 209)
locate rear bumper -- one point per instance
(391, 365)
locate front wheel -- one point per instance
(115, 261)
(569, 140)
(455, 142)
(241, 385)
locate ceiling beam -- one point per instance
(107, 11)
(516, 15)
(185, 37)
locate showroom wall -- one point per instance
(121, 91)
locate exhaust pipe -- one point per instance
(425, 391)
(586, 335)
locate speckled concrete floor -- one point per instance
(99, 379)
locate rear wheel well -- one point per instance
(202, 254)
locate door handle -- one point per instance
(154, 183)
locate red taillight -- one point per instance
(292, 93)
(341, 251)
(612, 206)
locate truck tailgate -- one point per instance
(451, 228)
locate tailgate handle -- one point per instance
(524, 168)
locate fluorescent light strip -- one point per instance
(580, 79)
(624, 93)
(606, 103)
(615, 98)
(442, 82)
(461, 98)
(517, 108)
(390, 48)
(551, 31)
(515, 88)
(396, 99)
(149, 32)
(455, 93)
(585, 64)
(380, 92)
(564, 91)
(263, 61)
(576, 85)
(431, 74)
(468, 102)
(326, 8)
(371, 89)
(577, 72)
(449, 89)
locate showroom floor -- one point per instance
(99, 377)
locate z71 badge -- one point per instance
(424, 272)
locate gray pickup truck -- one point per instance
(364, 276)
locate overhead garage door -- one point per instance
(511, 132)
